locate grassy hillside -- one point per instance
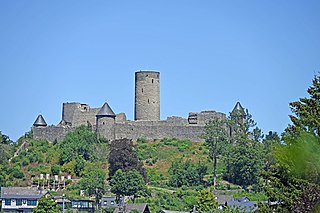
(43, 157)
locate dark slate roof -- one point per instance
(106, 111)
(40, 121)
(243, 204)
(222, 199)
(238, 107)
(141, 207)
(21, 192)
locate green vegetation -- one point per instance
(127, 183)
(178, 174)
(186, 173)
(206, 201)
(46, 205)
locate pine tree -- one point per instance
(306, 112)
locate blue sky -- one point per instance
(210, 54)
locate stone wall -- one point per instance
(158, 131)
(173, 127)
(147, 96)
(50, 133)
(78, 114)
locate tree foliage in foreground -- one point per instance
(294, 180)
(306, 111)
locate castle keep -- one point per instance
(146, 124)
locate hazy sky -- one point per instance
(210, 54)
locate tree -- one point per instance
(119, 183)
(186, 173)
(244, 158)
(79, 166)
(306, 111)
(46, 205)
(94, 183)
(301, 156)
(206, 201)
(216, 140)
(244, 162)
(127, 184)
(4, 139)
(124, 156)
(55, 169)
(79, 143)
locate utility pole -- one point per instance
(62, 203)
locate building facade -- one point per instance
(20, 199)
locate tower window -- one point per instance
(152, 80)
(148, 101)
(142, 90)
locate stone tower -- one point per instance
(147, 96)
(105, 120)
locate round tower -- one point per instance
(147, 96)
(105, 120)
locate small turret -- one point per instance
(238, 116)
(105, 111)
(238, 107)
(40, 122)
(105, 120)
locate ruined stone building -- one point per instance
(146, 123)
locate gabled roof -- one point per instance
(244, 204)
(21, 192)
(106, 111)
(238, 107)
(141, 207)
(40, 121)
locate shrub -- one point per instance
(16, 173)
(55, 169)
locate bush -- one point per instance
(16, 173)
(55, 169)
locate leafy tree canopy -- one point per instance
(216, 139)
(186, 173)
(80, 143)
(127, 184)
(94, 183)
(206, 201)
(124, 156)
(46, 205)
(4, 139)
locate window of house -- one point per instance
(105, 203)
(19, 202)
(31, 202)
(112, 202)
(7, 202)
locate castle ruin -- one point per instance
(146, 123)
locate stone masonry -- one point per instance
(147, 123)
